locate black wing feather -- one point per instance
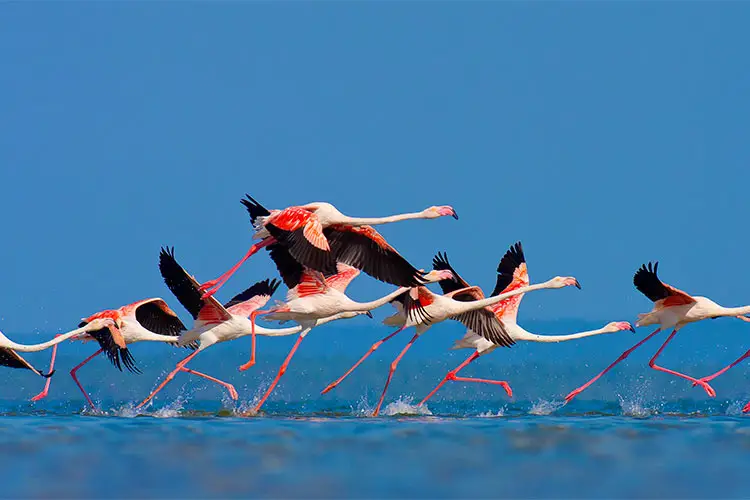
(11, 359)
(153, 318)
(440, 263)
(484, 323)
(117, 356)
(265, 287)
(413, 309)
(648, 283)
(384, 264)
(289, 269)
(254, 208)
(512, 259)
(179, 283)
(303, 251)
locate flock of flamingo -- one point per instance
(318, 251)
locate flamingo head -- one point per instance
(563, 281)
(437, 275)
(618, 326)
(440, 211)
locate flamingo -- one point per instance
(9, 351)
(312, 296)
(318, 236)
(512, 274)
(216, 323)
(149, 320)
(422, 309)
(673, 309)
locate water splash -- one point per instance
(489, 414)
(545, 407)
(128, 410)
(403, 406)
(636, 407)
(735, 408)
(172, 410)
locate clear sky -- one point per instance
(601, 135)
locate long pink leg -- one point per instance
(746, 408)
(711, 377)
(212, 286)
(622, 356)
(282, 370)
(75, 379)
(373, 348)
(452, 376)
(169, 377)
(45, 391)
(394, 365)
(229, 387)
(709, 390)
(250, 363)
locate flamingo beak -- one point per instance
(631, 329)
(455, 215)
(577, 284)
(368, 314)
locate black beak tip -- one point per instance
(578, 285)
(632, 329)
(455, 215)
(369, 314)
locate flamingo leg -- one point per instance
(373, 348)
(229, 387)
(282, 370)
(75, 379)
(652, 363)
(394, 365)
(622, 356)
(51, 370)
(471, 358)
(251, 362)
(738, 361)
(169, 377)
(212, 286)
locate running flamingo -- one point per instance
(149, 320)
(673, 309)
(10, 358)
(512, 274)
(216, 323)
(312, 296)
(422, 309)
(318, 236)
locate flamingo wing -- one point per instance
(11, 359)
(311, 283)
(289, 269)
(648, 283)
(481, 321)
(253, 298)
(341, 280)
(187, 290)
(254, 208)
(156, 316)
(113, 344)
(301, 232)
(364, 248)
(440, 263)
(512, 274)
(413, 303)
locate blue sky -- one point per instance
(601, 135)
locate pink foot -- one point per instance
(709, 390)
(572, 395)
(40, 396)
(247, 365)
(746, 408)
(233, 392)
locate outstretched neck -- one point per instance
(9, 344)
(478, 304)
(374, 221)
(353, 306)
(533, 337)
(274, 332)
(735, 311)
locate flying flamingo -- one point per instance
(216, 323)
(312, 296)
(512, 274)
(9, 356)
(422, 309)
(673, 309)
(149, 320)
(318, 236)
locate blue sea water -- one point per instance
(636, 433)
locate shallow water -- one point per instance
(636, 433)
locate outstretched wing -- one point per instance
(481, 321)
(187, 290)
(11, 359)
(512, 274)
(253, 298)
(156, 316)
(364, 248)
(341, 280)
(112, 342)
(301, 232)
(648, 283)
(440, 263)
(254, 208)
(413, 303)
(289, 269)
